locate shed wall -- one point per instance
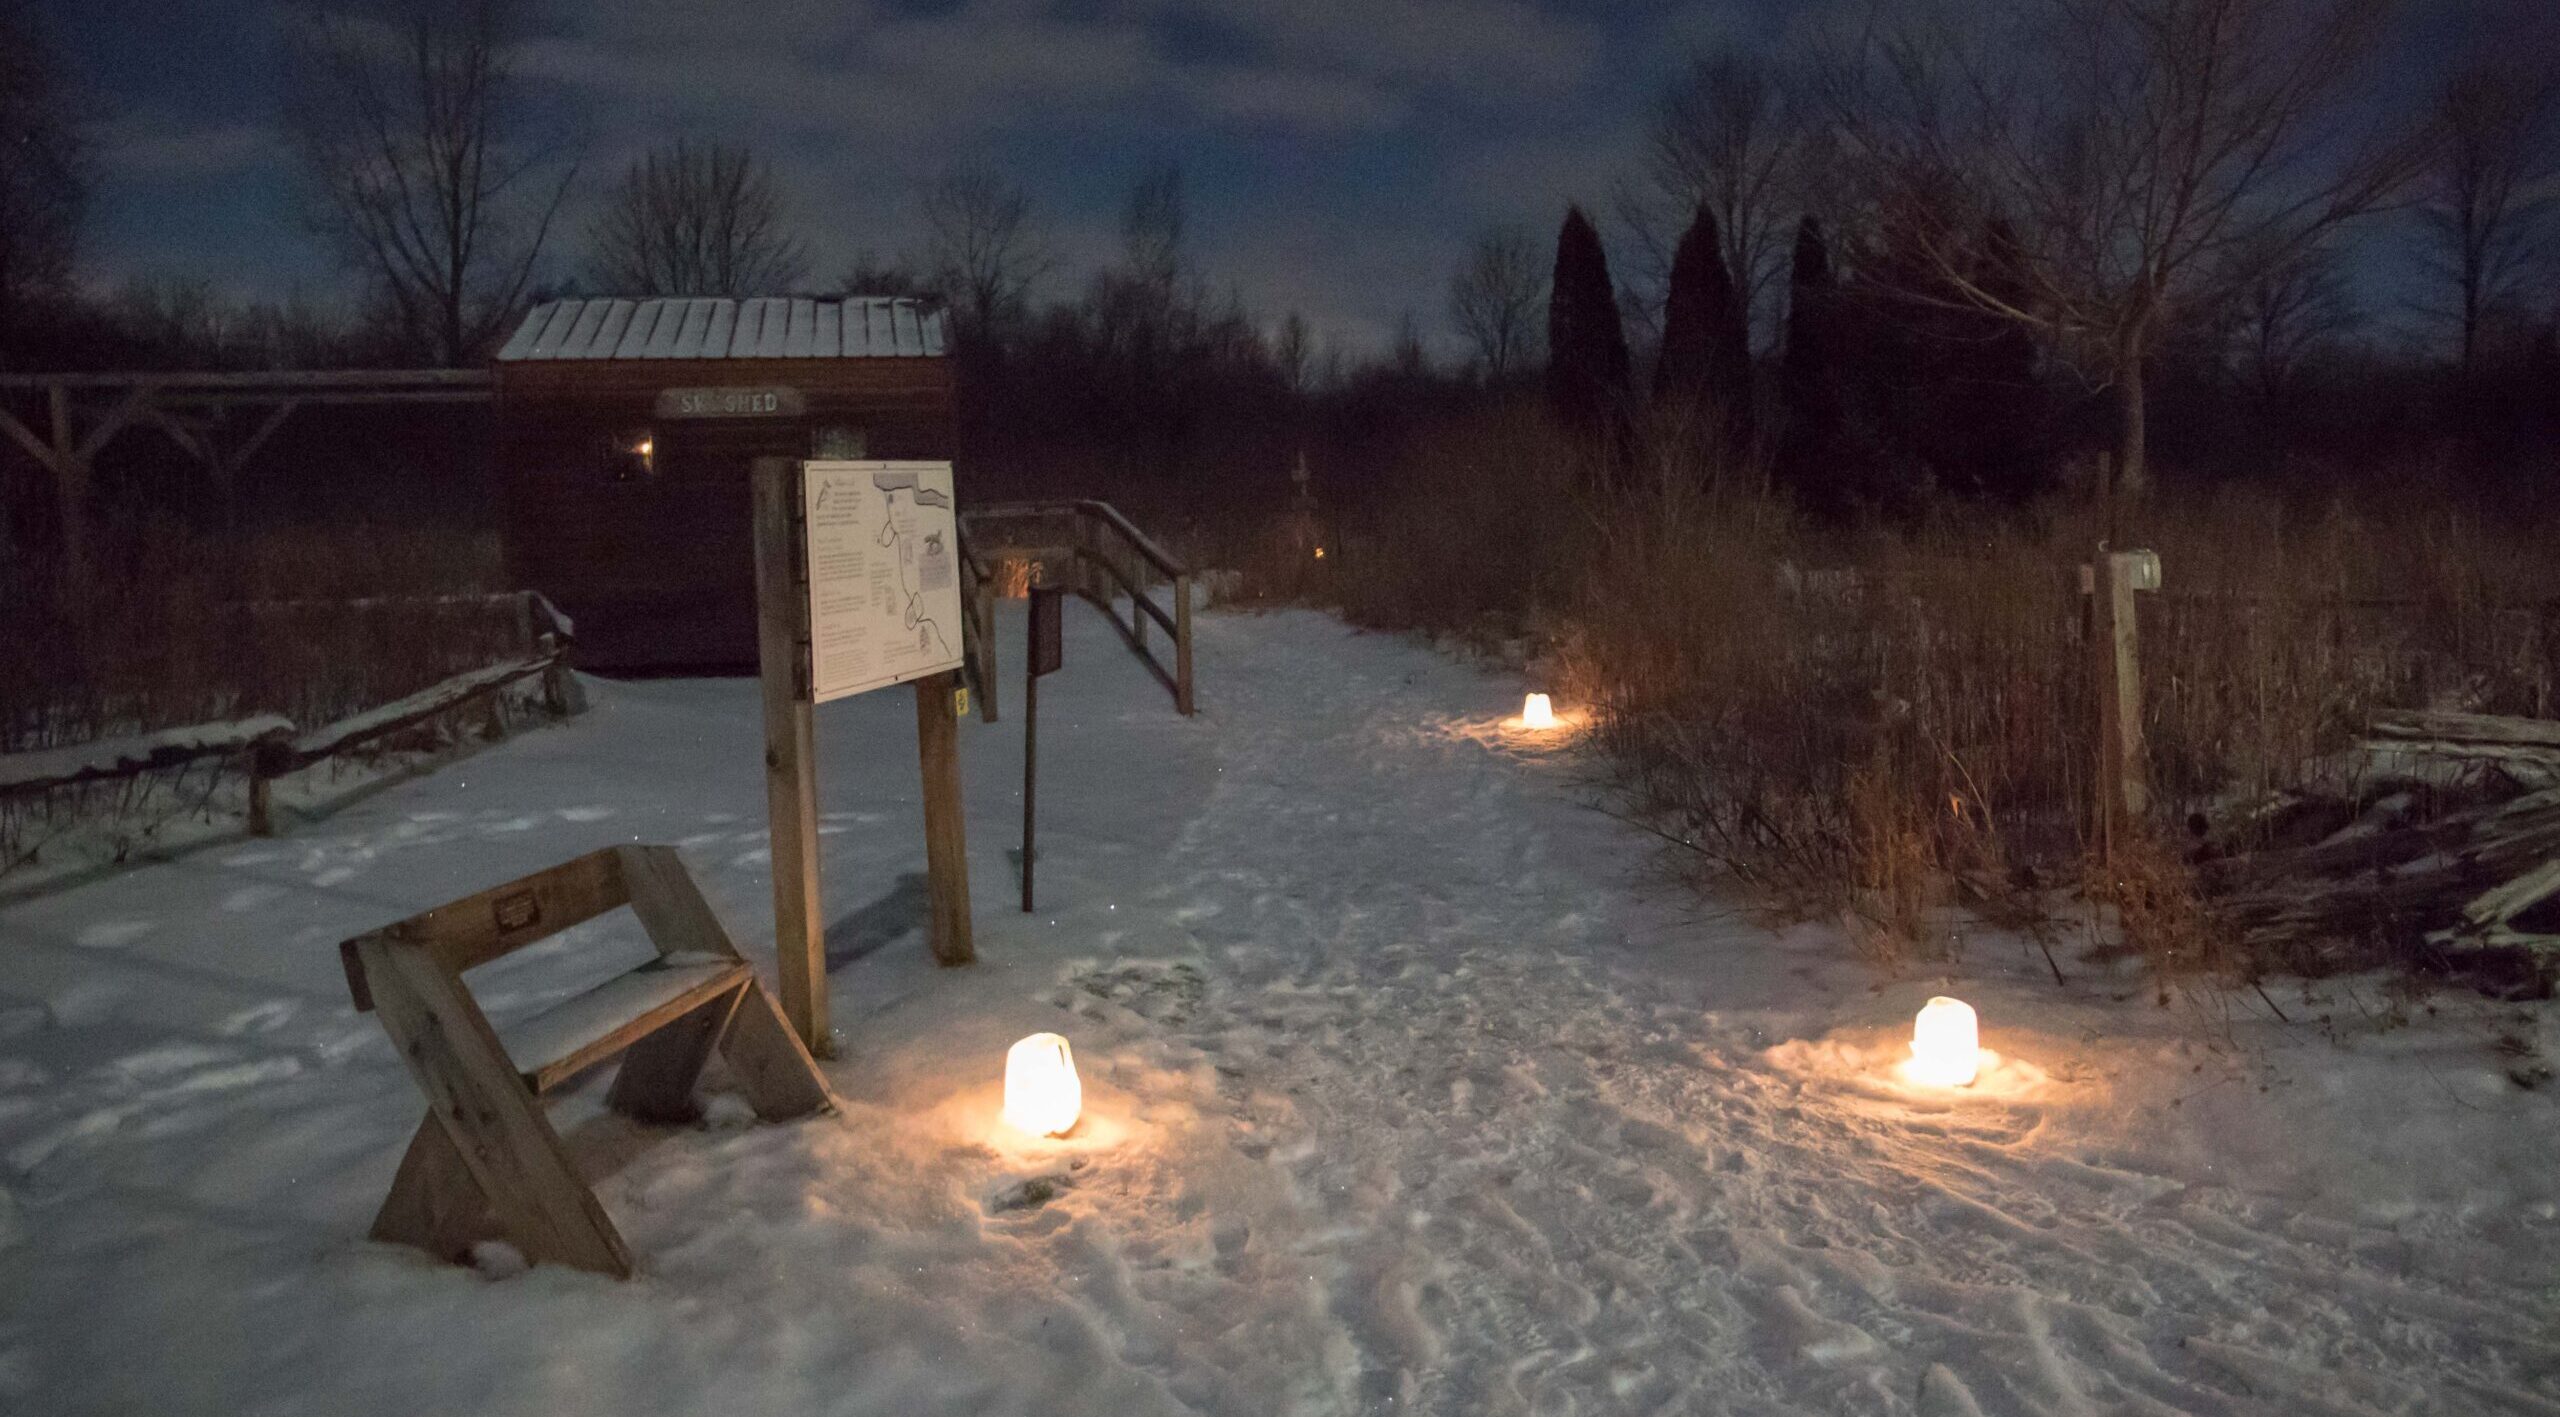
(659, 571)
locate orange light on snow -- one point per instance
(1537, 712)
(1041, 1093)
(1946, 1044)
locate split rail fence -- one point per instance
(268, 746)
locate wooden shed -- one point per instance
(625, 428)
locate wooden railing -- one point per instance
(978, 632)
(1105, 557)
(268, 746)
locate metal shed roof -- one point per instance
(859, 327)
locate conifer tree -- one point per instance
(1705, 366)
(1811, 450)
(1586, 345)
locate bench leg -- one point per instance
(658, 1072)
(493, 1122)
(772, 1066)
(434, 1203)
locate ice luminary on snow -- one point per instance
(1946, 1044)
(1041, 1094)
(1537, 712)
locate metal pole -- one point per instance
(1030, 768)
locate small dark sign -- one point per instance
(731, 403)
(1048, 645)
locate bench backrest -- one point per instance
(472, 931)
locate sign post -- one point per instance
(857, 588)
(790, 764)
(1048, 650)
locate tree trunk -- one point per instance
(2133, 473)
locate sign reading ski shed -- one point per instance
(884, 574)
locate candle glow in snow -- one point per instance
(1946, 1044)
(1537, 712)
(1041, 1094)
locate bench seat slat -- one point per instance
(568, 1038)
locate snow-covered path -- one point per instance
(1405, 1092)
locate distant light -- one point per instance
(1537, 712)
(1946, 1044)
(1041, 1093)
(1319, 553)
(646, 447)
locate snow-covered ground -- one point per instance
(1406, 1090)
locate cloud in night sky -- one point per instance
(1338, 153)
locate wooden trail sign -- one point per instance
(848, 596)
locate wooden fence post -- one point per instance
(1182, 645)
(262, 820)
(790, 764)
(2123, 775)
(946, 853)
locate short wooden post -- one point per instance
(2123, 776)
(790, 763)
(262, 820)
(946, 852)
(986, 610)
(1182, 644)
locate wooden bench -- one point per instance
(485, 1163)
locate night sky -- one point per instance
(1338, 152)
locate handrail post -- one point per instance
(986, 613)
(1182, 644)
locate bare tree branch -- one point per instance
(2490, 194)
(44, 172)
(1496, 296)
(2151, 154)
(982, 249)
(695, 221)
(406, 132)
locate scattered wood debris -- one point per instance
(2445, 855)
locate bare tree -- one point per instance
(695, 221)
(43, 172)
(981, 247)
(2148, 153)
(2285, 312)
(1735, 137)
(1496, 296)
(1292, 350)
(2489, 198)
(1151, 227)
(412, 141)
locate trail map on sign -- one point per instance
(884, 579)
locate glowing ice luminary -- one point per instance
(1946, 1044)
(1537, 712)
(1041, 1094)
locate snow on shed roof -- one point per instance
(859, 327)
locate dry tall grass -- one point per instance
(178, 628)
(1887, 721)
